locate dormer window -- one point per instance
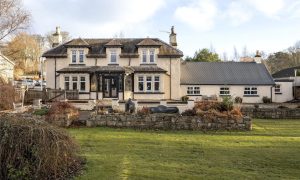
(113, 56)
(148, 56)
(77, 56)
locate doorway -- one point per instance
(110, 87)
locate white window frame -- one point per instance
(82, 81)
(68, 81)
(193, 90)
(74, 56)
(81, 56)
(251, 91)
(113, 53)
(146, 56)
(224, 91)
(74, 82)
(141, 79)
(149, 82)
(277, 89)
(156, 81)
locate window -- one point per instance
(191, 90)
(151, 56)
(81, 56)
(224, 91)
(82, 83)
(67, 83)
(73, 56)
(148, 56)
(74, 83)
(250, 91)
(149, 83)
(141, 83)
(113, 57)
(144, 56)
(277, 89)
(156, 83)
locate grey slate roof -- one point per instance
(224, 73)
(285, 73)
(97, 47)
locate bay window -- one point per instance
(74, 82)
(82, 83)
(156, 83)
(67, 83)
(148, 83)
(141, 83)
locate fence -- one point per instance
(50, 95)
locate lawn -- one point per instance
(270, 151)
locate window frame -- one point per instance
(276, 89)
(81, 56)
(191, 91)
(252, 91)
(67, 81)
(73, 56)
(80, 83)
(144, 56)
(224, 89)
(149, 83)
(141, 81)
(113, 53)
(151, 53)
(156, 81)
(148, 56)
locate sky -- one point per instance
(265, 25)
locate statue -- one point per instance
(129, 106)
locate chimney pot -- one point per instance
(57, 37)
(173, 41)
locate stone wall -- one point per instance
(272, 113)
(168, 122)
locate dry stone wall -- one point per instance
(272, 113)
(168, 122)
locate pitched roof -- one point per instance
(225, 73)
(97, 47)
(114, 42)
(285, 73)
(147, 68)
(148, 42)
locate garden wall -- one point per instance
(168, 122)
(272, 113)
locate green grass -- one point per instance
(270, 151)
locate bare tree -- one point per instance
(13, 17)
(236, 55)
(245, 51)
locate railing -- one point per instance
(50, 95)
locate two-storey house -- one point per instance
(122, 68)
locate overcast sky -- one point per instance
(268, 25)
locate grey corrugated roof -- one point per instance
(97, 47)
(285, 73)
(225, 73)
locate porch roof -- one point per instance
(148, 68)
(91, 69)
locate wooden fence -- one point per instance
(50, 95)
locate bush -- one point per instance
(206, 105)
(7, 96)
(41, 112)
(32, 149)
(184, 98)
(143, 111)
(282, 107)
(62, 114)
(238, 100)
(189, 112)
(265, 99)
(256, 106)
(226, 104)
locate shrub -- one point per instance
(189, 112)
(226, 104)
(184, 98)
(238, 99)
(256, 106)
(143, 111)
(32, 149)
(62, 114)
(7, 96)
(206, 105)
(41, 112)
(265, 99)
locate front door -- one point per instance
(110, 87)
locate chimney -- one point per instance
(257, 57)
(57, 38)
(173, 41)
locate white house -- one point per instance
(148, 69)
(6, 68)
